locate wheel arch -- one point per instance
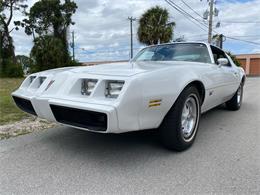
(200, 87)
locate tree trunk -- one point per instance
(9, 44)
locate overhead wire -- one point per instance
(241, 22)
(245, 36)
(195, 21)
(189, 16)
(242, 40)
(183, 12)
(186, 15)
(192, 9)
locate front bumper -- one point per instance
(62, 102)
(82, 115)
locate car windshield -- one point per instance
(192, 52)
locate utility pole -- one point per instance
(131, 19)
(211, 10)
(73, 46)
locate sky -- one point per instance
(102, 30)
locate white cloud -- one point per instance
(102, 28)
(256, 50)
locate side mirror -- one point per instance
(222, 61)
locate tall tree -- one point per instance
(48, 22)
(154, 26)
(50, 17)
(48, 52)
(7, 9)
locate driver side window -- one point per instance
(218, 53)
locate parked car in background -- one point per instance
(165, 87)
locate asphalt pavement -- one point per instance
(225, 158)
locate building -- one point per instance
(250, 63)
(101, 62)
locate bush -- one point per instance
(11, 69)
(74, 63)
(14, 70)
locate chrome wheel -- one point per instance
(236, 101)
(189, 117)
(179, 127)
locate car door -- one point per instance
(215, 83)
(221, 81)
(227, 75)
(231, 78)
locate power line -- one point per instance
(192, 9)
(209, 28)
(242, 22)
(246, 36)
(242, 40)
(186, 15)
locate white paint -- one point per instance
(144, 81)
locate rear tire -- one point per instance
(236, 101)
(179, 127)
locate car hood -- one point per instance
(123, 69)
(126, 68)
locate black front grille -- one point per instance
(80, 118)
(24, 105)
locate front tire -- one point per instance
(236, 101)
(179, 127)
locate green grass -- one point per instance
(8, 110)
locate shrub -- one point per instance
(11, 69)
(14, 70)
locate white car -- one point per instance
(165, 87)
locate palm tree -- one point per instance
(154, 27)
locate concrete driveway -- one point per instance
(224, 159)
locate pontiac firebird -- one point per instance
(164, 87)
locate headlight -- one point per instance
(87, 86)
(113, 88)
